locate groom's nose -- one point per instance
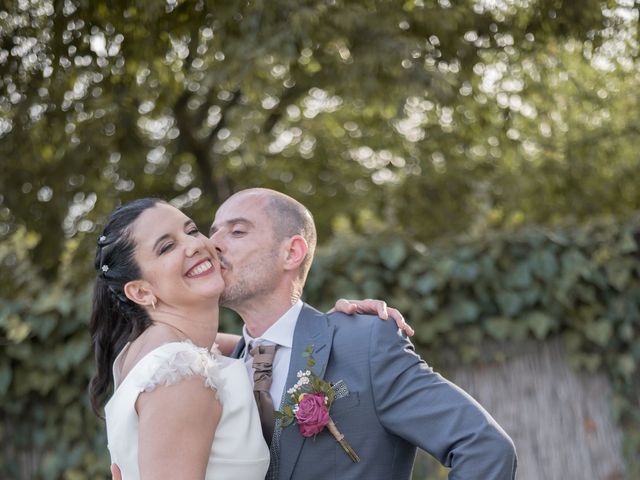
(214, 242)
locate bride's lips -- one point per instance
(200, 269)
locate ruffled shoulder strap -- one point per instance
(175, 361)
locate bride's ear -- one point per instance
(139, 291)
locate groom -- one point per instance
(395, 402)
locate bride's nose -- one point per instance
(194, 245)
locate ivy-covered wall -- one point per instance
(579, 284)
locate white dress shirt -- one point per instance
(281, 334)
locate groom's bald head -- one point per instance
(288, 217)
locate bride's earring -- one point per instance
(153, 303)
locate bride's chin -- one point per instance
(212, 298)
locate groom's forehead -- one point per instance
(251, 212)
(242, 205)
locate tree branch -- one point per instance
(191, 144)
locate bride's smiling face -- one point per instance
(176, 264)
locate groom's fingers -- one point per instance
(381, 308)
(384, 312)
(399, 319)
(345, 306)
(371, 307)
(377, 307)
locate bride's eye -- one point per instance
(193, 231)
(165, 248)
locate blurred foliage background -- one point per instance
(437, 122)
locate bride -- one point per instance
(179, 408)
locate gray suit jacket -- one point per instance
(395, 404)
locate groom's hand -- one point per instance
(373, 307)
(115, 472)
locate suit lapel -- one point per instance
(312, 329)
(237, 352)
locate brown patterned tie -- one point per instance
(262, 370)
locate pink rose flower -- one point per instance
(312, 414)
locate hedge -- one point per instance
(579, 283)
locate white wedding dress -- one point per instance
(238, 450)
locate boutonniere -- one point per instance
(309, 402)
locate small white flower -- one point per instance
(300, 373)
(105, 268)
(304, 380)
(102, 238)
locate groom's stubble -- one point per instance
(245, 281)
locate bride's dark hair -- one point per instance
(115, 320)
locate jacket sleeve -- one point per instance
(420, 406)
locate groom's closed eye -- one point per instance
(235, 226)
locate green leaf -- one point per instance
(540, 324)
(627, 243)
(17, 329)
(627, 365)
(430, 305)
(519, 277)
(619, 273)
(406, 279)
(498, 327)
(393, 254)
(42, 325)
(590, 362)
(599, 332)
(48, 301)
(287, 421)
(372, 288)
(465, 272)
(574, 263)
(586, 293)
(625, 331)
(426, 332)
(463, 311)
(510, 303)
(531, 295)
(426, 283)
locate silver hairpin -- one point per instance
(102, 238)
(105, 268)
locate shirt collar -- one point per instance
(281, 332)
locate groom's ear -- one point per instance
(139, 291)
(296, 249)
